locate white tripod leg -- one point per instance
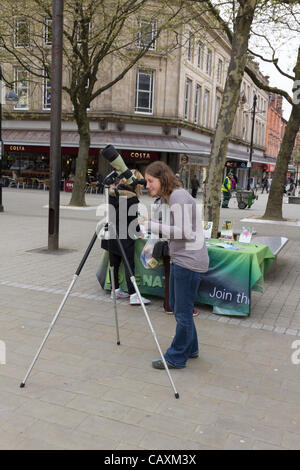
(113, 289)
(49, 330)
(154, 334)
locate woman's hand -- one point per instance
(142, 220)
(143, 223)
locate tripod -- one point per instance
(108, 227)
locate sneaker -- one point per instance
(194, 355)
(169, 312)
(134, 300)
(158, 364)
(120, 294)
(195, 313)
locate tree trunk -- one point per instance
(274, 205)
(78, 194)
(227, 113)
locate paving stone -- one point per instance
(85, 392)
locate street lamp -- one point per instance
(12, 97)
(249, 163)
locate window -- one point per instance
(48, 31)
(190, 47)
(21, 87)
(46, 92)
(21, 33)
(217, 110)
(209, 62)
(188, 86)
(245, 129)
(147, 34)
(205, 108)
(144, 91)
(220, 71)
(197, 104)
(200, 56)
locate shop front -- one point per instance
(259, 171)
(139, 159)
(28, 151)
(190, 166)
(25, 161)
(239, 170)
(33, 161)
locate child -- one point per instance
(123, 199)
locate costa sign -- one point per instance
(140, 155)
(16, 148)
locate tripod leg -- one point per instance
(49, 330)
(154, 335)
(88, 250)
(113, 288)
(132, 278)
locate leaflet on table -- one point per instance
(228, 246)
(207, 227)
(227, 230)
(246, 234)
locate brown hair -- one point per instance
(167, 178)
(138, 188)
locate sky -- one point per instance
(287, 60)
(283, 38)
(285, 42)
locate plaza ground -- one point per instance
(86, 392)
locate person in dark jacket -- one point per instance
(123, 198)
(195, 186)
(264, 185)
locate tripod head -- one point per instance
(111, 178)
(114, 176)
(121, 171)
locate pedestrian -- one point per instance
(264, 185)
(179, 179)
(194, 185)
(292, 188)
(269, 183)
(121, 198)
(189, 259)
(226, 190)
(233, 181)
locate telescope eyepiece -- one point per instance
(109, 153)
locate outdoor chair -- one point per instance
(28, 182)
(20, 183)
(93, 187)
(46, 184)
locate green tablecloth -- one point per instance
(227, 285)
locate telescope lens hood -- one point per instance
(110, 153)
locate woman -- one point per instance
(123, 198)
(189, 259)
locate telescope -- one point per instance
(120, 171)
(116, 161)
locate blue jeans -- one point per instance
(184, 285)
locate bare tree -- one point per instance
(103, 40)
(243, 15)
(274, 204)
(242, 20)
